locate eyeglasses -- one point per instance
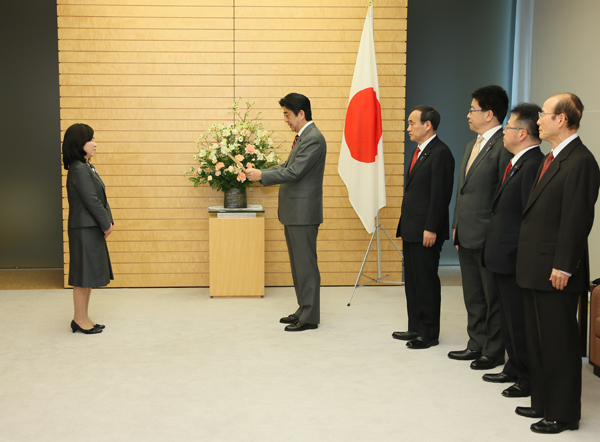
(477, 110)
(506, 127)
(541, 114)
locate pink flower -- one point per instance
(219, 165)
(239, 157)
(241, 177)
(250, 149)
(247, 132)
(249, 165)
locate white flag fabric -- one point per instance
(361, 164)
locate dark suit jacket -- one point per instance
(500, 249)
(301, 179)
(88, 206)
(475, 193)
(557, 221)
(427, 194)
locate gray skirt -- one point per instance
(89, 265)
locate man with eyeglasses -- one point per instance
(521, 138)
(482, 168)
(553, 266)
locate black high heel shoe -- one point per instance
(100, 326)
(75, 327)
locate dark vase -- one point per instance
(235, 198)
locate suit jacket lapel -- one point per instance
(484, 151)
(294, 151)
(552, 170)
(422, 157)
(515, 169)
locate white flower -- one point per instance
(231, 169)
(218, 173)
(209, 178)
(234, 131)
(270, 142)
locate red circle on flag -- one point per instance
(363, 125)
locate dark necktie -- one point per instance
(507, 171)
(549, 159)
(414, 159)
(295, 140)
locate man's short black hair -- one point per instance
(492, 98)
(297, 102)
(527, 115)
(428, 113)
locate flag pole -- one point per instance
(380, 278)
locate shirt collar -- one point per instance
(304, 127)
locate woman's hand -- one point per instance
(108, 232)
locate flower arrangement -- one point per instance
(226, 150)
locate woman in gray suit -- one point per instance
(90, 223)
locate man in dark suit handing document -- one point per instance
(300, 207)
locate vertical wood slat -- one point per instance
(150, 76)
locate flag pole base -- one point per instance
(379, 278)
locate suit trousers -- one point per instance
(302, 249)
(481, 302)
(512, 317)
(422, 287)
(554, 353)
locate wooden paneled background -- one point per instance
(151, 75)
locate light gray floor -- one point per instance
(175, 365)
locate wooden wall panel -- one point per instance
(151, 75)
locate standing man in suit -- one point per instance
(521, 138)
(300, 207)
(424, 226)
(482, 168)
(553, 267)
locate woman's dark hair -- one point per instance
(75, 138)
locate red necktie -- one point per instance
(549, 159)
(295, 140)
(507, 171)
(414, 159)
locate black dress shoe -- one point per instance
(100, 326)
(499, 378)
(516, 391)
(529, 412)
(421, 342)
(92, 331)
(486, 363)
(300, 326)
(464, 355)
(553, 427)
(405, 336)
(291, 319)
